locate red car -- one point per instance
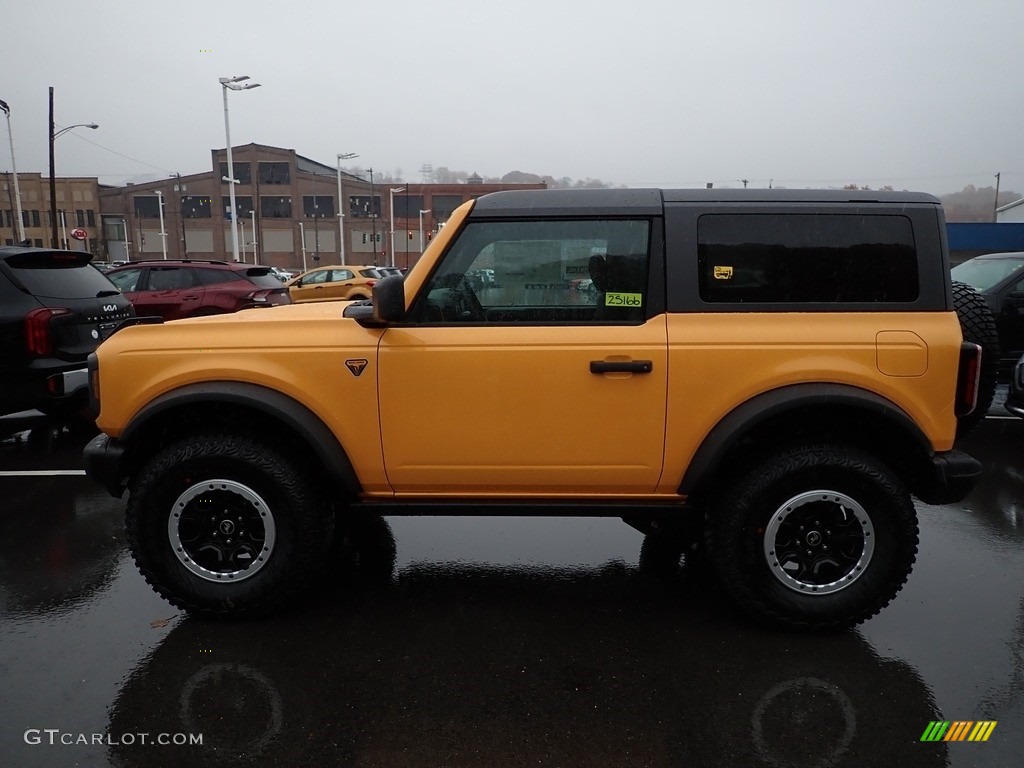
(177, 288)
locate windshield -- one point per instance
(981, 274)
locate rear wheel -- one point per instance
(819, 537)
(978, 326)
(221, 524)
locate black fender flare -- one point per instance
(290, 412)
(747, 416)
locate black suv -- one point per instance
(55, 308)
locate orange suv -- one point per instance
(766, 376)
(339, 282)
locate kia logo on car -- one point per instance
(110, 307)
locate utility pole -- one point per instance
(373, 218)
(995, 204)
(181, 216)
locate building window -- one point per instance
(90, 217)
(80, 218)
(359, 206)
(243, 205)
(24, 217)
(243, 172)
(443, 205)
(275, 173)
(195, 207)
(147, 207)
(35, 219)
(38, 242)
(318, 206)
(276, 207)
(408, 206)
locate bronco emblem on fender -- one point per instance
(356, 366)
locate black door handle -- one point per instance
(626, 366)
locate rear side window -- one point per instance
(262, 277)
(217, 276)
(59, 275)
(171, 278)
(806, 258)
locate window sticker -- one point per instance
(623, 299)
(723, 273)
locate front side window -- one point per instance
(806, 258)
(543, 271)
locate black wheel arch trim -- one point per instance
(760, 408)
(293, 414)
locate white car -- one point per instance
(281, 274)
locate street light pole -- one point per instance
(373, 218)
(14, 169)
(232, 84)
(341, 208)
(255, 255)
(53, 179)
(421, 230)
(394, 191)
(302, 237)
(163, 234)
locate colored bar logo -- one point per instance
(958, 730)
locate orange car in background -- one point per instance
(346, 282)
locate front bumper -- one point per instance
(103, 463)
(953, 475)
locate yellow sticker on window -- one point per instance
(723, 273)
(623, 299)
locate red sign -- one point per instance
(79, 234)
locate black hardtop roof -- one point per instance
(580, 202)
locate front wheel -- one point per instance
(819, 537)
(221, 524)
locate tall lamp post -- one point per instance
(163, 232)
(233, 84)
(54, 134)
(394, 191)
(341, 208)
(421, 230)
(17, 191)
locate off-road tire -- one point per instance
(978, 326)
(741, 519)
(298, 514)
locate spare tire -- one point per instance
(978, 327)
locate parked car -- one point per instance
(55, 309)
(282, 274)
(177, 288)
(345, 282)
(999, 278)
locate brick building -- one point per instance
(78, 206)
(290, 202)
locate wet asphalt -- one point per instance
(495, 642)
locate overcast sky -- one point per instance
(918, 94)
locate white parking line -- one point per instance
(43, 473)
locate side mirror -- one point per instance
(389, 300)
(297, 283)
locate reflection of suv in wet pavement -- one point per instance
(777, 371)
(177, 288)
(55, 308)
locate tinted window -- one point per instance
(373, 274)
(216, 276)
(170, 278)
(126, 280)
(59, 275)
(806, 258)
(542, 271)
(262, 277)
(981, 274)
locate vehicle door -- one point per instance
(128, 282)
(311, 287)
(340, 283)
(170, 292)
(526, 386)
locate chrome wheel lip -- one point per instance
(181, 551)
(849, 506)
